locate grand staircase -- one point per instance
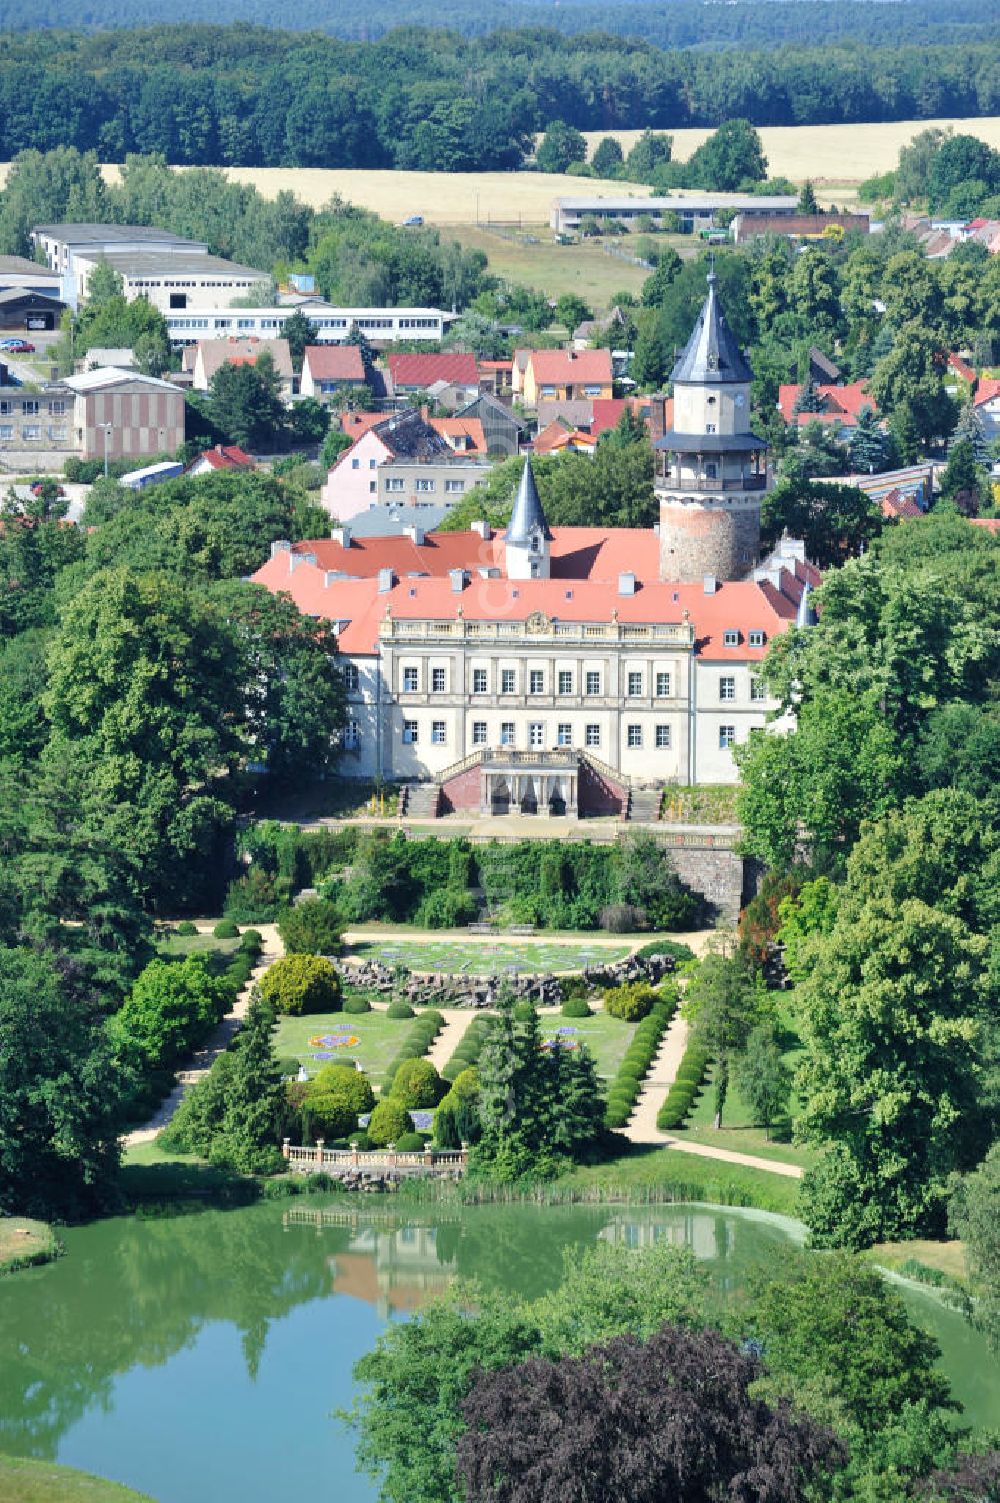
(420, 801)
(644, 805)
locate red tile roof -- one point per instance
(897, 506)
(451, 428)
(421, 371)
(355, 424)
(334, 362)
(607, 414)
(559, 367)
(227, 457)
(843, 403)
(987, 389)
(584, 587)
(961, 368)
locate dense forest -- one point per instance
(682, 23)
(433, 100)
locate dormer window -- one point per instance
(755, 638)
(730, 638)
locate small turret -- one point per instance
(527, 537)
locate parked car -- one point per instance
(17, 346)
(413, 221)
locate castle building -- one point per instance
(559, 670)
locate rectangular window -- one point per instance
(372, 487)
(409, 733)
(633, 736)
(593, 682)
(394, 483)
(635, 683)
(409, 681)
(536, 681)
(758, 690)
(355, 464)
(424, 485)
(30, 409)
(57, 435)
(6, 408)
(507, 681)
(755, 638)
(565, 682)
(479, 733)
(31, 430)
(373, 464)
(6, 432)
(352, 734)
(564, 734)
(662, 737)
(437, 732)
(663, 686)
(507, 733)
(536, 734)
(479, 680)
(57, 409)
(730, 638)
(592, 735)
(351, 678)
(437, 680)
(454, 487)
(727, 736)
(727, 688)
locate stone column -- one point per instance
(320, 1145)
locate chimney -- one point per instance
(626, 583)
(386, 580)
(341, 535)
(711, 584)
(483, 530)
(280, 545)
(415, 534)
(457, 579)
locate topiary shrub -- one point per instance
(300, 984)
(312, 927)
(329, 1115)
(343, 1080)
(630, 1002)
(576, 1007)
(360, 1140)
(399, 1010)
(357, 1005)
(251, 942)
(187, 927)
(670, 947)
(524, 1011)
(388, 1122)
(410, 1142)
(226, 929)
(417, 1084)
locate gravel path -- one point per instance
(456, 1021)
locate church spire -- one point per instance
(712, 354)
(527, 519)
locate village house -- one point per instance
(563, 376)
(501, 429)
(402, 458)
(748, 226)
(208, 356)
(328, 369)
(221, 458)
(413, 374)
(837, 407)
(986, 403)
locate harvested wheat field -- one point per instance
(826, 153)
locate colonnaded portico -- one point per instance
(560, 782)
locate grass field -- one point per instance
(656, 1175)
(23, 1243)
(946, 1257)
(554, 269)
(607, 1038)
(379, 1039)
(205, 945)
(26, 1481)
(485, 956)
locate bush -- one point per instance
(630, 1002)
(624, 1089)
(447, 908)
(186, 927)
(226, 929)
(576, 1007)
(344, 1080)
(417, 1084)
(524, 1011)
(389, 1121)
(287, 1065)
(418, 1041)
(399, 1010)
(329, 1115)
(687, 1083)
(360, 1139)
(300, 984)
(410, 1142)
(356, 1005)
(251, 942)
(678, 952)
(312, 927)
(256, 897)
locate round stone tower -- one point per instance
(711, 470)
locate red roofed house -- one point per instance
(403, 458)
(414, 373)
(987, 403)
(329, 368)
(840, 406)
(222, 457)
(566, 376)
(211, 354)
(554, 670)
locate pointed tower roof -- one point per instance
(711, 355)
(806, 613)
(527, 514)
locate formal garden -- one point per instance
(484, 955)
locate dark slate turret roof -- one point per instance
(711, 355)
(527, 514)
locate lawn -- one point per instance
(214, 950)
(657, 1175)
(607, 1038)
(486, 956)
(379, 1040)
(24, 1242)
(584, 269)
(26, 1481)
(739, 1131)
(944, 1257)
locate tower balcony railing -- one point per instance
(671, 481)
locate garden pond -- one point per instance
(199, 1358)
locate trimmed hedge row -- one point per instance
(418, 1040)
(687, 1083)
(470, 1046)
(624, 1089)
